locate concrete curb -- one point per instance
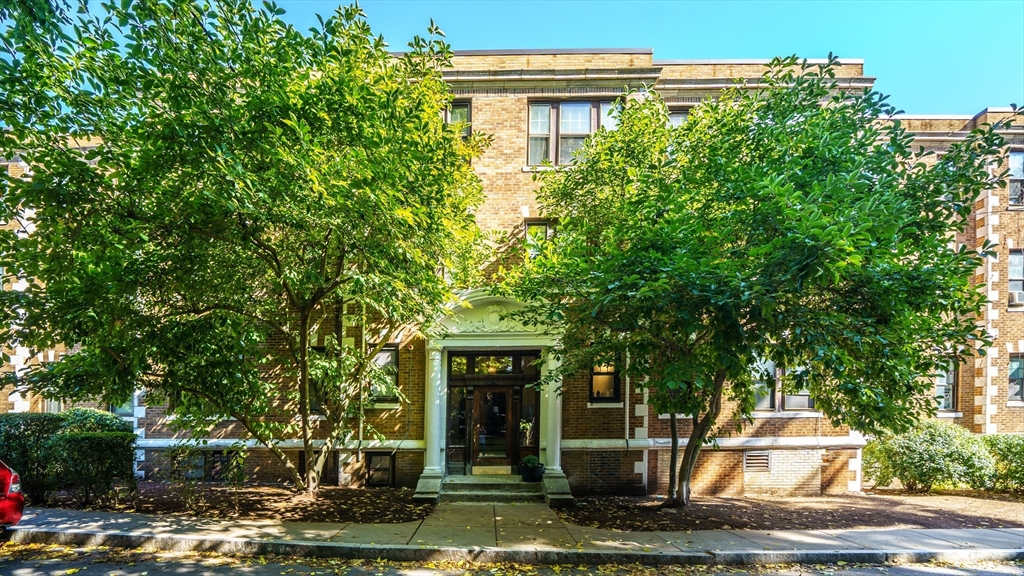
(408, 553)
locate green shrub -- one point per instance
(82, 420)
(935, 453)
(92, 464)
(186, 472)
(235, 474)
(23, 446)
(1008, 450)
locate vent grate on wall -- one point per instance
(759, 461)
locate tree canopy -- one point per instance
(790, 222)
(217, 201)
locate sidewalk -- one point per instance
(524, 533)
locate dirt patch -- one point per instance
(334, 504)
(881, 509)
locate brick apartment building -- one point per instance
(469, 408)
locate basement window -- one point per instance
(380, 469)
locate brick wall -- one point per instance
(598, 472)
(717, 473)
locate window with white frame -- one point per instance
(945, 390)
(537, 233)
(387, 359)
(459, 113)
(676, 118)
(1017, 178)
(605, 384)
(1016, 278)
(558, 129)
(771, 394)
(1016, 376)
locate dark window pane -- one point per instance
(492, 432)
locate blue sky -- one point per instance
(931, 57)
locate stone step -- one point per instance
(487, 483)
(501, 497)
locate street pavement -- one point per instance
(512, 532)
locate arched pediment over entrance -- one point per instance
(482, 313)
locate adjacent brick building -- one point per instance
(469, 408)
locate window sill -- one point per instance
(385, 405)
(787, 414)
(605, 405)
(948, 414)
(1015, 308)
(529, 169)
(1015, 403)
(678, 416)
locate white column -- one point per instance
(552, 421)
(433, 425)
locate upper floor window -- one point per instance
(1016, 376)
(604, 384)
(557, 130)
(677, 117)
(459, 113)
(537, 232)
(1017, 178)
(770, 395)
(945, 390)
(387, 359)
(1016, 277)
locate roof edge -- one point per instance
(552, 51)
(752, 61)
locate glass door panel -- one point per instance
(492, 427)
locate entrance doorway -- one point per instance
(493, 410)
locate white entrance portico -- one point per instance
(483, 325)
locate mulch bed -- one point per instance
(881, 509)
(334, 504)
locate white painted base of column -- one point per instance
(428, 489)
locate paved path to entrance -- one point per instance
(514, 532)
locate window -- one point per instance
(537, 232)
(764, 379)
(604, 384)
(52, 406)
(945, 390)
(558, 130)
(380, 468)
(387, 359)
(1016, 376)
(126, 410)
(771, 394)
(676, 118)
(1016, 277)
(459, 113)
(1017, 178)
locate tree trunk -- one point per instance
(701, 428)
(311, 480)
(673, 490)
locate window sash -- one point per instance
(945, 390)
(387, 359)
(677, 118)
(1017, 377)
(605, 384)
(608, 120)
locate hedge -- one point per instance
(25, 444)
(1008, 450)
(933, 454)
(81, 420)
(91, 464)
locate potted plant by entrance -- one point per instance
(531, 469)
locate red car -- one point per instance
(12, 502)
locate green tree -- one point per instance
(790, 221)
(210, 189)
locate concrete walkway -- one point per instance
(528, 533)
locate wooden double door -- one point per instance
(493, 411)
